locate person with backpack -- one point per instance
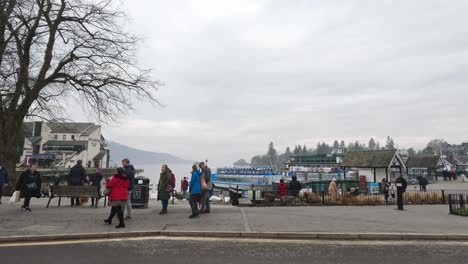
(207, 186)
(29, 185)
(118, 186)
(165, 187)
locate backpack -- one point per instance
(173, 180)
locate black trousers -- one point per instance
(73, 199)
(116, 210)
(27, 199)
(400, 199)
(194, 199)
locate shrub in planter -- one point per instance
(269, 197)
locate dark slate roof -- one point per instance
(368, 159)
(76, 128)
(35, 140)
(65, 143)
(423, 162)
(100, 155)
(462, 159)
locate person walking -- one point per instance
(282, 189)
(295, 186)
(118, 185)
(419, 179)
(401, 186)
(207, 186)
(185, 186)
(333, 188)
(29, 185)
(95, 180)
(386, 190)
(130, 172)
(3, 180)
(164, 188)
(195, 191)
(424, 183)
(76, 177)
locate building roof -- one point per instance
(422, 162)
(100, 155)
(35, 140)
(369, 159)
(28, 128)
(461, 159)
(66, 143)
(73, 128)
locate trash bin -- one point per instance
(140, 195)
(234, 196)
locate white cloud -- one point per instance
(239, 74)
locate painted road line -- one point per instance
(237, 240)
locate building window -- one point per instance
(73, 137)
(56, 137)
(64, 137)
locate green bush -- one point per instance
(461, 211)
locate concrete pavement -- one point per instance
(430, 219)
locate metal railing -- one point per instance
(458, 204)
(410, 197)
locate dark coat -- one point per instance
(27, 178)
(130, 172)
(77, 175)
(164, 181)
(403, 183)
(294, 187)
(95, 178)
(3, 177)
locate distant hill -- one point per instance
(137, 156)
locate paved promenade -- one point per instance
(85, 219)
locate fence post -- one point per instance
(443, 197)
(462, 202)
(450, 204)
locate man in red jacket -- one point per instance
(185, 186)
(282, 189)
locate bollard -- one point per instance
(400, 198)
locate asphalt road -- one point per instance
(223, 251)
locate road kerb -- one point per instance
(235, 234)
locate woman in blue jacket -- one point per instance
(195, 191)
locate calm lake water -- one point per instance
(152, 172)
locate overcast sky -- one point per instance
(239, 74)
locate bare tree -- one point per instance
(56, 49)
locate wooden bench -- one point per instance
(75, 191)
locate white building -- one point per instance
(62, 144)
(375, 165)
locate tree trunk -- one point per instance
(11, 134)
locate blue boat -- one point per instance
(243, 178)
